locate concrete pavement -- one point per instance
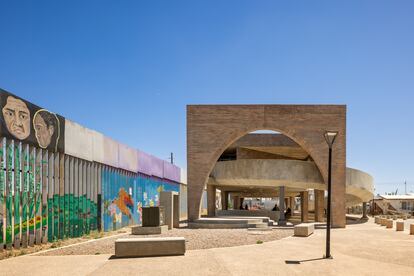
(360, 249)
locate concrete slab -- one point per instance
(156, 230)
(145, 247)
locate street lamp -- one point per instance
(330, 139)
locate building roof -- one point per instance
(399, 197)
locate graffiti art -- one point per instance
(26, 122)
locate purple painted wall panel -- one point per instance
(171, 172)
(150, 165)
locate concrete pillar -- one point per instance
(319, 205)
(224, 200)
(282, 220)
(364, 210)
(176, 211)
(304, 206)
(236, 202)
(211, 200)
(292, 203)
(170, 201)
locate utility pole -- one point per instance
(405, 185)
(172, 158)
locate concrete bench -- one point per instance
(399, 226)
(146, 247)
(412, 229)
(149, 230)
(304, 229)
(389, 223)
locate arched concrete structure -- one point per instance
(359, 187)
(212, 128)
(269, 173)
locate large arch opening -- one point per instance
(264, 173)
(212, 128)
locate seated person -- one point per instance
(288, 213)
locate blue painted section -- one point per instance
(124, 195)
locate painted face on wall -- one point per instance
(44, 129)
(17, 118)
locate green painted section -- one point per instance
(50, 219)
(9, 198)
(55, 217)
(17, 190)
(2, 192)
(67, 216)
(61, 216)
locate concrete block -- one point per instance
(78, 140)
(399, 226)
(128, 158)
(170, 201)
(171, 172)
(389, 223)
(146, 247)
(154, 230)
(110, 153)
(412, 229)
(377, 220)
(383, 221)
(304, 229)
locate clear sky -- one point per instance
(129, 68)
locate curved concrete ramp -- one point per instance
(265, 174)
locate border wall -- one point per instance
(59, 179)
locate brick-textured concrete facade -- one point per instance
(212, 128)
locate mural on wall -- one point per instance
(125, 194)
(42, 197)
(30, 124)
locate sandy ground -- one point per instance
(195, 239)
(360, 249)
(94, 235)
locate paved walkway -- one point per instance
(360, 249)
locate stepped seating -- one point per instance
(229, 223)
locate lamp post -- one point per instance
(330, 139)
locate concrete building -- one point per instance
(225, 154)
(394, 204)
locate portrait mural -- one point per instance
(24, 121)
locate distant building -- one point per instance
(391, 204)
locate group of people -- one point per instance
(288, 211)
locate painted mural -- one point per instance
(46, 196)
(30, 124)
(125, 194)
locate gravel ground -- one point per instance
(195, 239)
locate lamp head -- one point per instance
(330, 137)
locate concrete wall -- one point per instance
(78, 141)
(91, 145)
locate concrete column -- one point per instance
(304, 206)
(211, 200)
(319, 205)
(364, 210)
(236, 202)
(282, 220)
(224, 200)
(176, 211)
(292, 203)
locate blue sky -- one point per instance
(129, 68)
